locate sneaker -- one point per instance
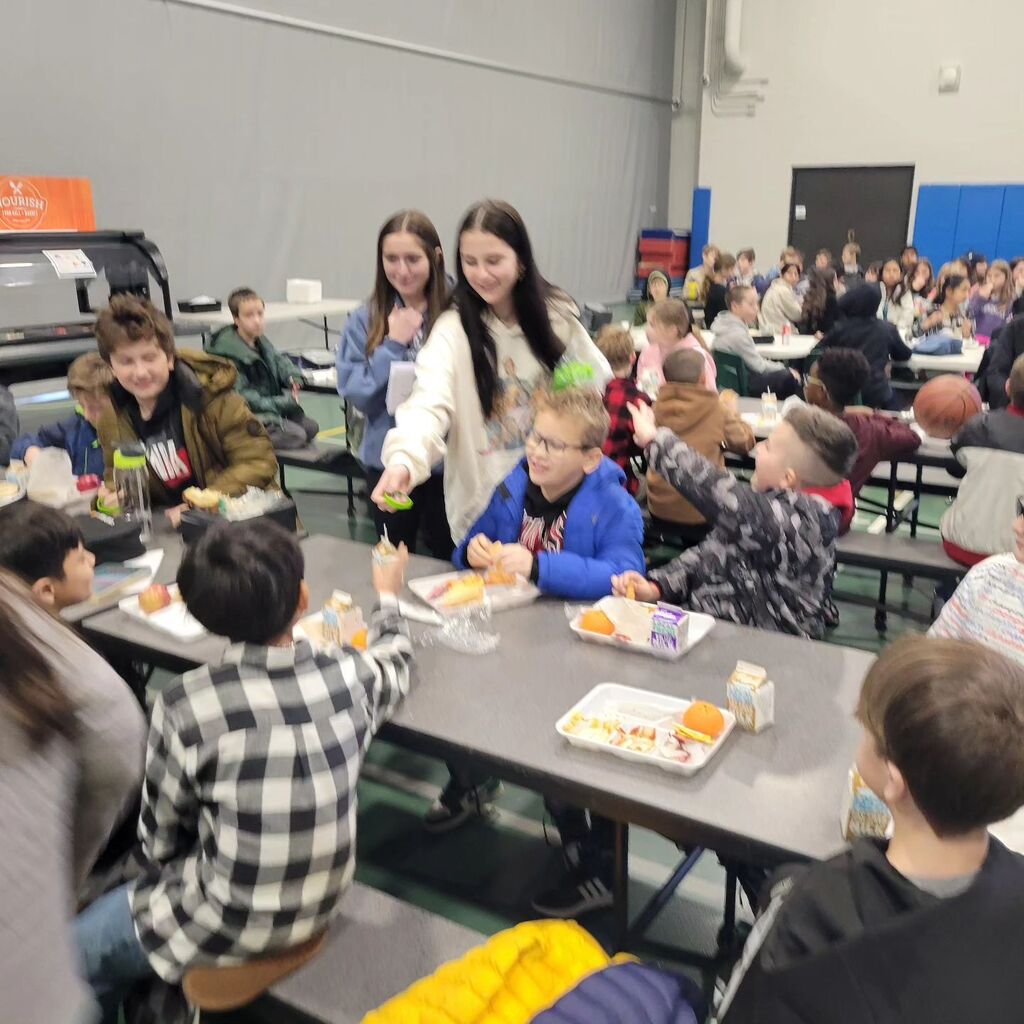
(457, 804)
(577, 893)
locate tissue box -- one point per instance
(750, 696)
(300, 289)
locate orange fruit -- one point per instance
(594, 621)
(704, 717)
(359, 640)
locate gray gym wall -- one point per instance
(251, 151)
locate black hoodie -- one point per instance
(878, 340)
(855, 942)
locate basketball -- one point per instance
(945, 404)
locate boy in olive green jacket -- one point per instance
(267, 380)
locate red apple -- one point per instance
(154, 597)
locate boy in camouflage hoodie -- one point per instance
(769, 557)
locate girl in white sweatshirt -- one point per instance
(472, 403)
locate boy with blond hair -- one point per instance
(922, 926)
(89, 380)
(562, 518)
(768, 559)
(616, 345)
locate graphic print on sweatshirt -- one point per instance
(169, 461)
(537, 534)
(513, 410)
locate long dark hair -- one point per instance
(927, 264)
(899, 289)
(949, 285)
(820, 284)
(384, 293)
(29, 688)
(530, 297)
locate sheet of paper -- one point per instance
(403, 376)
(70, 263)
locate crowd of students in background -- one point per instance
(528, 448)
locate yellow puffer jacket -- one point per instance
(508, 980)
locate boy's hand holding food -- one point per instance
(515, 558)
(634, 586)
(483, 553)
(389, 573)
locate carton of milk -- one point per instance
(863, 813)
(750, 695)
(670, 627)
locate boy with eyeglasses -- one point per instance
(563, 517)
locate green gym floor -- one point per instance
(484, 874)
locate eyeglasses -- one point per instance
(549, 447)
(1020, 505)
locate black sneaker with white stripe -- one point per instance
(578, 893)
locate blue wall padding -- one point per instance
(977, 219)
(1011, 227)
(935, 222)
(699, 224)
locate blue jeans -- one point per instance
(112, 956)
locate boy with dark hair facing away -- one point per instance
(989, 453)
(616, 345)
(768, 559)
(924, 926)
(267, 380)
(834, 381)
(89, 381)
(44, 546)
(181, 406)
(247, 830)
(707, 422)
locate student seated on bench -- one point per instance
(267, 380)
(248, 816)
(732, 334)
(922, 926)
(989, 452)
(988, 606)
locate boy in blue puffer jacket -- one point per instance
(89, 380)
(563, 517)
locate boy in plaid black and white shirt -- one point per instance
(248, 816)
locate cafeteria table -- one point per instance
(764, 798)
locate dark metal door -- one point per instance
(830, 206)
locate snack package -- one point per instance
(750, 696)
(384, 551)
(342, 620)
(669, 627)
(863, 813)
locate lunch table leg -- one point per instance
(620, 889)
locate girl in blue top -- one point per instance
(390, 327)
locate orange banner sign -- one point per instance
(45, 204)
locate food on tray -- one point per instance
(205, 499)
(341, 619)
(750, 696)
(593, 727)
(154, 598)
(595, 621)
(705, 718)
(499, 578)
(8, 490)
(467, 589)
(641, 739)
(675, 749)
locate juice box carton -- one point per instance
(670, 627)
(863, 813)
(750, 696)
(341, 618)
